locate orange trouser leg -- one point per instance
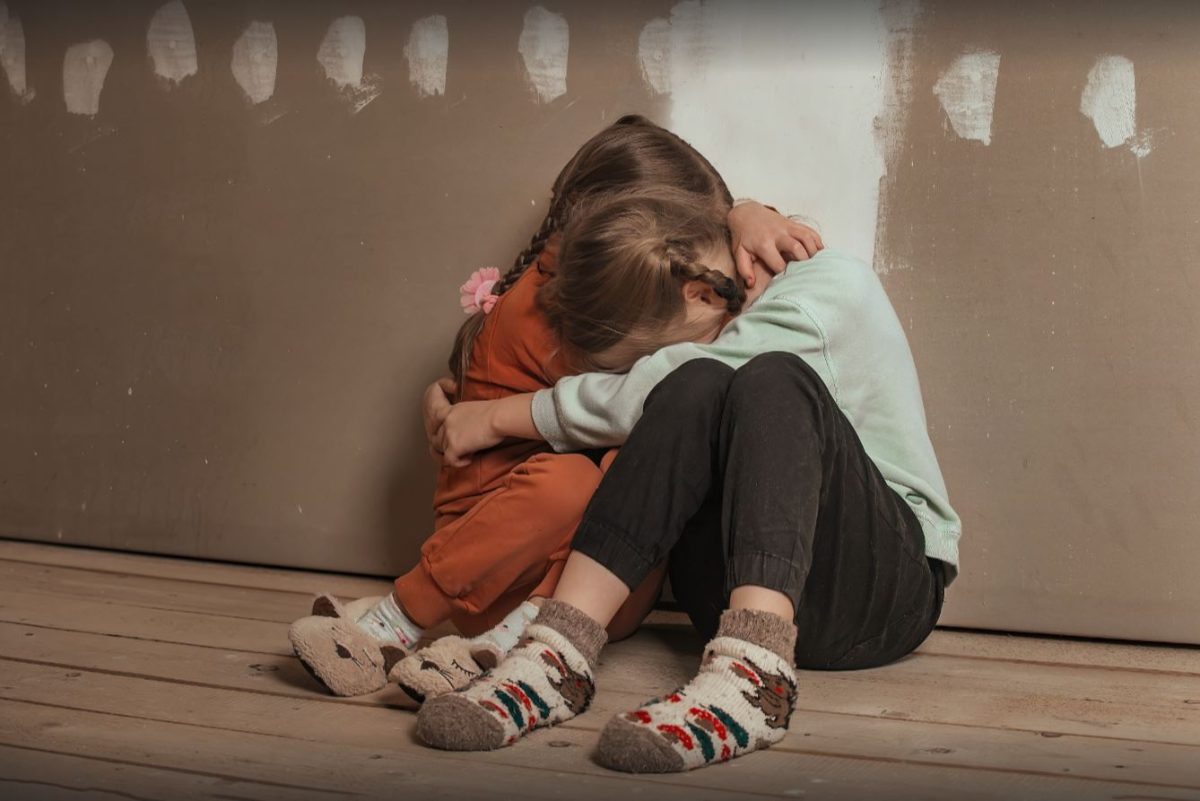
(478, 568)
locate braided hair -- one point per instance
(630, 154)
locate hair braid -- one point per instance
(460, 356)
(683, 265)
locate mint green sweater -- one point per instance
(830, 311)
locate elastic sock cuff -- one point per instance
(584, 633)
(764, 629)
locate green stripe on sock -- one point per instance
(705, 741)
(739, 734)
(542, 706)
(513, 707)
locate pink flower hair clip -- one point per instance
(476, 294)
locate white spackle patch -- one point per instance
(341, 55)
(171, 43)
(1110, 100)
(256, 61)
(654, 55)
(428, 52)
(967, 92)
(902, 18)
(342, 51)
(544, 43)
(12, 54)
(821, 68)
(85, 67)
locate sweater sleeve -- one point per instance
(600, 409)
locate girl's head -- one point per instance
(640, 270)
(632, 153)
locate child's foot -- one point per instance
(740, 702)
(452, 663)
(545, 680)
(339, 645)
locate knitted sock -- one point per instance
(451, 663)
(545, 680)
(740, 701)
(386, 622)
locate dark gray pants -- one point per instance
(755, 477)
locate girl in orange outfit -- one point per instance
(504, 522)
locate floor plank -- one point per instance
(191, 571)
(32, 774)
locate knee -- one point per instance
(769, 374)
(563, 483)
(697, 383)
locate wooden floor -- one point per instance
(132, 677)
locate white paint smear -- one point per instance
(85, 67)
(256, 61)
(1110, 100)
(822, 70)
(12, 54)
(172, 43)
(543, 46)
(341, 55)
(654, 55)
(342, 51)
(427, 52)
(967, 92)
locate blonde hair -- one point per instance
(633, 152)
(625, 258)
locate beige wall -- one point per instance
(1051, 292)
(215, 318)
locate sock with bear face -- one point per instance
(545, 680)
(741, 701)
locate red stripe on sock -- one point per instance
(747, 672)
(718, 726)
(685, 739)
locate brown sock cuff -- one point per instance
(580, 630)
(765, 629)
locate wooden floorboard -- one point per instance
(139, 677)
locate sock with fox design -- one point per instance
(545, 680)
(741, 701)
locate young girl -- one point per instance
(503, 524)
(790, 454)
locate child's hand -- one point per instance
(764, 235)
(433, 405)
(465, 429)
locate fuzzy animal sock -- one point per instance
(545, 680)
(741, 701)
(451, 663)
(343, 656)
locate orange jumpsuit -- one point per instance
(504, 523)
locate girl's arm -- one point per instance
(471, 426)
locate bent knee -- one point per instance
(563, 483)
(770, 371)
(695, 383)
